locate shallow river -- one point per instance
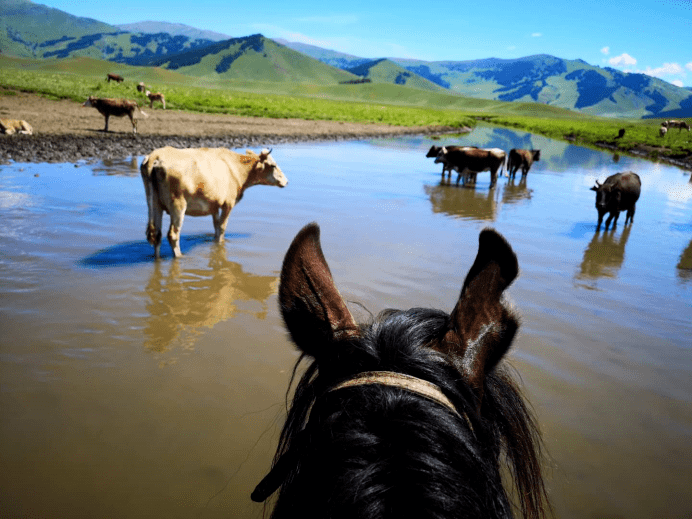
(136, 388)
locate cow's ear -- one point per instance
(481, 327)
(594, 188)
(315, 314)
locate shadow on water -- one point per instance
(516, 191)
(184, 300)
(604, 255)
(462, 201)
(117, 167)
(135, 252)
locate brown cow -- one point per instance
(141, 87)
(469, 160)
(158, 96)
(114, 77)
(619, 192)
(115, 107)
(12, 126)
(434, 151)
(200, 182)
(523, 159)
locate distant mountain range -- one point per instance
(34, 30)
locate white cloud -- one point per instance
(667, 69)
(623, 60)
(678, 83)
(536, 35)
(689, 66)
(605, 50)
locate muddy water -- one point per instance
(135, 388)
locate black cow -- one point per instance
(619, 192)
(523, 159)
(434, 151)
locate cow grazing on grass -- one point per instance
(141, 87)
(469, 160)
(116, 108)
(662, 131)
(523, 159)
(114, 77)
(158, 96)
(619, 192)
(12, 126)
(676, 124)
(200, 182)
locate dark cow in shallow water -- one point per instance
(115, 107)
(523, 159)
(434, 151)
(619, 192)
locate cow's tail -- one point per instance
(151, 188)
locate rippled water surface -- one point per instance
(136, 388)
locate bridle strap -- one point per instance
(401, 381)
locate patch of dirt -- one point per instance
(65, 131)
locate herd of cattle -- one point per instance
(619, 192)
(672, 124)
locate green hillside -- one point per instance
(27, 28)
(386, 71)
(253, 58)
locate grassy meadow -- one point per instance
(364, 103)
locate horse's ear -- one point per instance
(482, 328)
(313, 310)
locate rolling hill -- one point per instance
(386, 71)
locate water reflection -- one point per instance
(515, 192)
(684, 266)
(118, 167)
(183, 301)
(462, 201)
(604, 255)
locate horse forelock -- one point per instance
(368, 449)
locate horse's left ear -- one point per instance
(482, 328)
(315, 314)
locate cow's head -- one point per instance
(441, 155)
(536, 155)
(605, 196)
(433, 151)
(270, 173)
(89, 101)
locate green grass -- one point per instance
(366, 103)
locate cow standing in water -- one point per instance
(619, 192)
(200, 182)
(523, 159)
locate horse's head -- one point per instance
(409, 414)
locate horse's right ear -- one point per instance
(315, 314)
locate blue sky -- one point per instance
(649, 36)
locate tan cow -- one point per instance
(158, 96)
(200, 182)
(12, 126)
(115, 107)
(676, 124)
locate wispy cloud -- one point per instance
(336, 19)
(667, 69)
(623, 60)
(605, 50)
(536, 35)
(689, 66)
(678, 83)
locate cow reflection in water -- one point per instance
(604, 255)
(684, 266)
(462, 202)
(186, 300)
(515, 192)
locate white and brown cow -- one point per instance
(523, 159)
(141, 87)
(12, 126)
(117, 108)
(663, 130)
(468, 161)
(676, 124)
(200, 182)
(158, 96)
